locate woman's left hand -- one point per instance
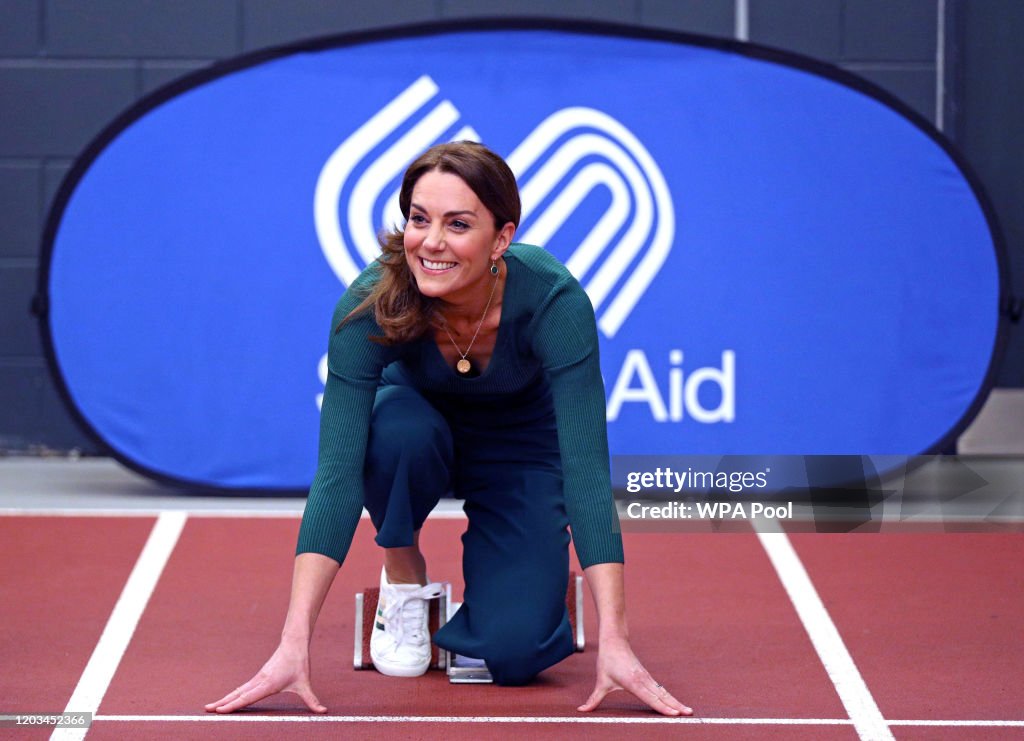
(619, 669)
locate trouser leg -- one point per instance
(515, 565)
(408, 464)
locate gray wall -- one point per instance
(67, 67)
(988, 123)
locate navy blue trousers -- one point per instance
(502, 459)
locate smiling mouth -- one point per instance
(439, 266)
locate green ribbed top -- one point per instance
(547, 331)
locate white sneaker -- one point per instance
(400, 641)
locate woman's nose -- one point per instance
(434, 239)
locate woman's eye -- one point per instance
(418, 219)
(457, 224)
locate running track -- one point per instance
(142, 619)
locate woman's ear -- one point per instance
(503, 240)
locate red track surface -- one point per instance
(59, 580)
(933, 622)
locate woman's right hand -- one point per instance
(286, 671)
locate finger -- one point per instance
(597, 697)
(252, 691)
(652, 696)
(306, 693)
(643, 686)
(235, 693)
(243, 700)
(660, 699)
(670, 700)
(210, 706)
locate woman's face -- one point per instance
(450, 238)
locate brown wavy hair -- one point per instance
(401, 311)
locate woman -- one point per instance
(462, 362)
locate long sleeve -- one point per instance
(565, 340)
(336, 495)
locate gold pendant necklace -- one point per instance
(464, 366)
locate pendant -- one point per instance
(463, 366)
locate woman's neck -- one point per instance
(486, 296)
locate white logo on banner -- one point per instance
(601, 260)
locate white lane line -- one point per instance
(453, 512)
(148, 512)
(983, 723)
(537, 719)
(474, 719)
(106, 657)
(853, 692)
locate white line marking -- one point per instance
(456, 513)
(473, 719)
(106, 657)
(343, 161)
(127, 512)
(1010, 723)
(853, 692)
(535, 719)
(437, 514)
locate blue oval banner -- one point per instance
(780, 262)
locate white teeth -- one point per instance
(437, 265)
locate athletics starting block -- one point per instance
(460, 669)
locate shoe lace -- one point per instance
(403, 611)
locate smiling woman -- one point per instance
(448, 251)
(439, 270)
(516, 428)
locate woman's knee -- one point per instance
(408, 464)
(514, 661)
(512, 671)
(403, 425)
(518, 659)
